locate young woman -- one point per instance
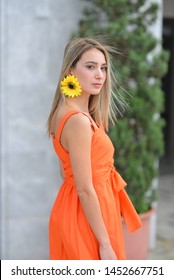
(85, 222)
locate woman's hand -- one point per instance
(106, 252)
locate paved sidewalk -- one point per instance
(164, 249)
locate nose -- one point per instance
(99, 73)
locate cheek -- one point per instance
(84, 78)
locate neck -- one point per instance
(79, 103)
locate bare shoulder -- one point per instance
(78, 122)
(77, 135)
(75, 123)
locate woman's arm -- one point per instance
(78, 133)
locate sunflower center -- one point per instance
(71, 86)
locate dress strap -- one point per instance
(66, 117)
(93, 124)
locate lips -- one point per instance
(97, 85)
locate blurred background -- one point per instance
(33, 36)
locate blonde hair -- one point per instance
(102, 107)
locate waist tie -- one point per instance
(102, 173)
(127, 209)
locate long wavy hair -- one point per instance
(102, 107)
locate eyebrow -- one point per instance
(95, 63)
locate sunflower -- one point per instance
(70, 86)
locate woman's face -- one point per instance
(91, 71)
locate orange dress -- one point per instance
(70, 235)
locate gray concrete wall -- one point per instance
(33, 37)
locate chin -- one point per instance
(95, 93)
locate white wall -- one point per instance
(34, 34)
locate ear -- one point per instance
(70, 72)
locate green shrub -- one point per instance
(138, 136)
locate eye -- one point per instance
(104, 68)
(90, 66)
